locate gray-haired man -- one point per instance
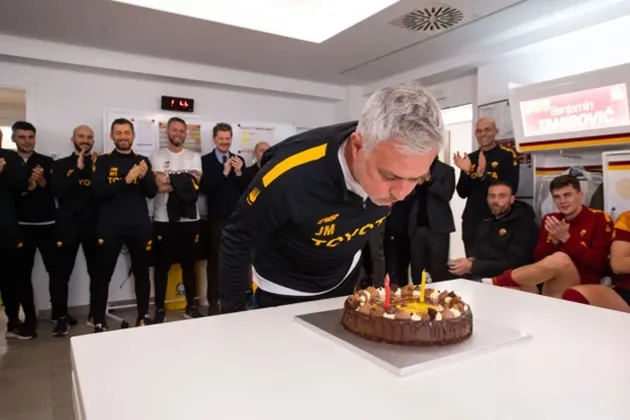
(306, 216)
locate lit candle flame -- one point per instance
(423, 285)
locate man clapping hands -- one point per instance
(120, 182)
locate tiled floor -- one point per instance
(35, 382)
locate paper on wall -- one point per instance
(146, 141)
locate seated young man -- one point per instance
(504, 241)
(616, 297)
(572, 247)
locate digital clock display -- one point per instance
(172, 103)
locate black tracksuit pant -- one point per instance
(110, 240)
(215, 229)
(469, 232)
(9, 242)
(175, 243)
(34, 237)
(67, 237)
(429, 251)
(397, 256)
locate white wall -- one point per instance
(592, 48)
(461, 140)
(458, 122)
(64, 97)
(86, 57)
(60, 97)
(455, 92)
(350, 109)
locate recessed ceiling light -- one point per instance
(306, 20)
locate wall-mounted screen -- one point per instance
(586, 110)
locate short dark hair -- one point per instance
(23, 125)
(565, 181)
(222, 127)
(500, 183)
(175, 119)
(122, 121)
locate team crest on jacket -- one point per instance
(502, 232)
(494, 164)
(328, 219)
(253, 195)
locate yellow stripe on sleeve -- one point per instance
(298, 159)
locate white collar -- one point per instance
(351, 184)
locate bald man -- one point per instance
(75, 224)
(478, 169)
(259, 150)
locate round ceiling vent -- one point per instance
(433, 19)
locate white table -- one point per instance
(263, 365)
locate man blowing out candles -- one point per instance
(305, 217)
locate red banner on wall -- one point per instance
(591, 109)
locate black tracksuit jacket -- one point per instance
(122, 204)
(13, 181)
(297, 223)
(73, 189)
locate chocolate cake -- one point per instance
(443, 318)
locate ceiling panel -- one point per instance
(373, 49)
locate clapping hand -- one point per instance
(2, 163)
(133, 174)
(227, 167)
(37, 176)
(143, 168)
(558, 229)
(462, 162)
(237, 164)
(81, 160)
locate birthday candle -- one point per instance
(423, 285)
(387, 291)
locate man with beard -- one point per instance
(504, 241)
(36, 215)
(77, 215)
(306, 217)
(491, 161)
(223, 184)
(119, 181)
(176, 235)
(573, 245)
(259, 150)
(13, 181)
